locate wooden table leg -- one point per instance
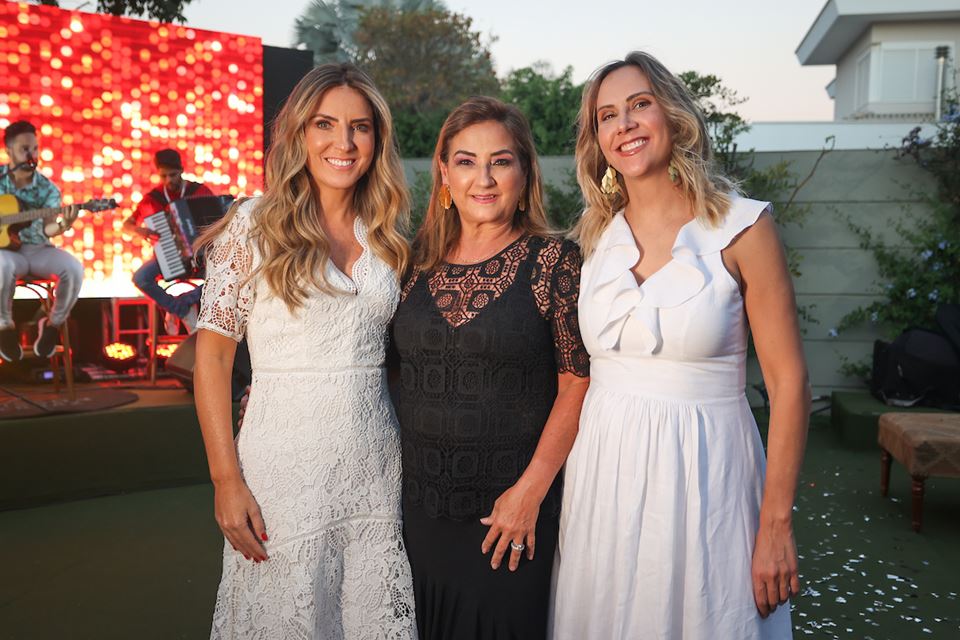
(885, 461)
(917, 502)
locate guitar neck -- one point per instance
(33, 214)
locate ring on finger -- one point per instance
(517, 546)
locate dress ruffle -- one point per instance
(616, 288)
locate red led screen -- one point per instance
(105, 93)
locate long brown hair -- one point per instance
(703, 185)
(286, 220)
(441, 228)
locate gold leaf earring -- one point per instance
(609, 184)
(446, 200)
(673, 172)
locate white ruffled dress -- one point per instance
(663, 485)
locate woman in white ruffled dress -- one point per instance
(673, 525)
(308, 497)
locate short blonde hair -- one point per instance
(703, 185)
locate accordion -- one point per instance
(178, 226)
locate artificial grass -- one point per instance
(146, 565)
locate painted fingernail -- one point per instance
(246, 556)
(263, 536)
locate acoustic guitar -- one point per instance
(13, 219)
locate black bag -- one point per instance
(920, 367)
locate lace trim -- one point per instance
(462, 292)
(228, 291)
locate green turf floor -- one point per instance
(145, 565)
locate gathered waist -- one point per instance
(669, 379)
(321, 371)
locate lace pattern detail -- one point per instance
(475, 392)
(228, 291)
(320, 452)
(461, 292)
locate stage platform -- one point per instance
(152, 441)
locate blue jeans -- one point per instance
(146, 280)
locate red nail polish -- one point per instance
(263, 537)
(246, 557)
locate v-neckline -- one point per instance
(352, 279)
(666, 264)
(475, 265)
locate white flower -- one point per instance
(934, 295)
(874, 317)
(833, 333)
(925, 255)
(911, 293)
(943, 245)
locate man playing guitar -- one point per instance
(172, 187)
(36, 256)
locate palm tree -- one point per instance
(327, 28)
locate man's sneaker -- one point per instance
(47, 338)
(190, 320)
(171, 323)
(10, 345)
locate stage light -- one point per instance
(166, 350)
(119, 356)
(147, 97)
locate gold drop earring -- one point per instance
(446, 200)
(609, 184)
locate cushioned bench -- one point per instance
(927, 444)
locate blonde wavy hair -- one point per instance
(286, 219)
(441, 228)
(707, 190)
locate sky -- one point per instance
(749, 44)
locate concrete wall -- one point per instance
(870, 187)
(876, 191)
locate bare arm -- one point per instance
(235, 508)
(771, 308)
(514, 516)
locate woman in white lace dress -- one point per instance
(673, 526)
(308, 497)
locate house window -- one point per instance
(908, 72)
(863, 80)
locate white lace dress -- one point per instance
(319, 450)
(662, 488)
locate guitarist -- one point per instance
(37, 256)
(172, 187)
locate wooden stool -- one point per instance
(927, 444)
(45, 289)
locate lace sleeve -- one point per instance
(571, 355)
(227, 290)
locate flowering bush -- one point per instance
(924, 271)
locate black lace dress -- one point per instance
(479, 348)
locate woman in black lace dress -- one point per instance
(492, 377)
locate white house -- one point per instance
(895, 59)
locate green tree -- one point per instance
(549, 101)
(328, 28)
(162, 10)
(425, 63)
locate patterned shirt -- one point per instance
(41, 193)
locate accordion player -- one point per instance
(177, 226)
